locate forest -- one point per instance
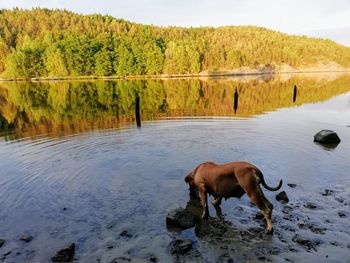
(59, 43)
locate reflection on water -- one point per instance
(137, 111)
(59, 108)
(295, 93)
(235, 101)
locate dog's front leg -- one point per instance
(203, 194)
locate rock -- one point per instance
(121, 260)
(310, 205)
(180, 246)
(65, 255)
(326, 137)
(341, 214)
(225, 258)
(306, 243)
(181, 218)
(292, 185)
(153, 258)
(125, 233)
(27, 238)
(282, 197)
(2, 242)
(340, 199)
(327, 192)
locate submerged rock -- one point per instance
(26, 238)
(342, 214)
(153, 258)
(327, 192)
(180, 246)
(181, 218)
(121, 260)
(225, 258)
(306, 243)
(65, 255)
(292, 185)
(125, 233)
(310, 205)
(2, 242)
(326, 137)
(282, 197)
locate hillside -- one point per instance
(59, 43)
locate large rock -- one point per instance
(326, 137)
(180, 246)
(65, 255)
(180, 217)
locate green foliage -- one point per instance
(42, 42)
(55, 63)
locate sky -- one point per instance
(317, 18)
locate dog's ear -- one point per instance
(189, 177)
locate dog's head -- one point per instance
(189, 179)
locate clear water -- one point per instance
(82, 173)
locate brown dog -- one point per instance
(231, 180)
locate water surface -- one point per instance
(76, 168)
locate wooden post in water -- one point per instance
(137, 111)
(295, 93)
(235, 101)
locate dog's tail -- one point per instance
(262, 180)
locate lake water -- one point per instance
(77, 166)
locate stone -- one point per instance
(125, 233)
(327, 192)
(282, 197)
(310, 205)
(26, 238)
(180, 246)
(121, 260)
(181, 218)
(341, 214)
(153, 258)
(306, 243)
(65, 255)
(327, 137)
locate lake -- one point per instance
(101, 163)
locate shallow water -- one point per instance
(90, 182)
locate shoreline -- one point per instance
(177, 76)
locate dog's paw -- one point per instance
(269, 231)
(205, 216)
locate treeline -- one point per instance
(68, 107)
(59, 43)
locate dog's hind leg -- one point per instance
(203, 194)
(258, 199)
